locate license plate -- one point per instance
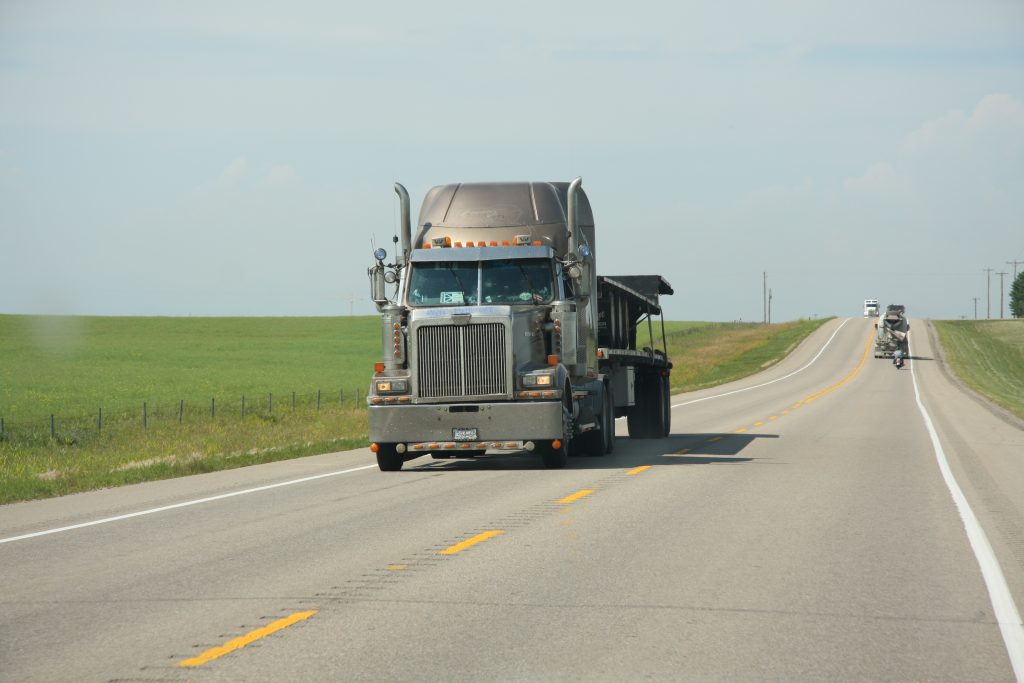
(464, 434)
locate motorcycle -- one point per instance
(897, 360)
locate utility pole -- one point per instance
(988, 293)
(1014, 264)
(975, 307)
(1001, 294)
(764, 295)
(769, 306)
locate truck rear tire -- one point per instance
(666, 404)
(388, 458)
(608, 421)
(638, 417)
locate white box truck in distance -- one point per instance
(870, 308)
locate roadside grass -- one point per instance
(988, 355)
(708, 354)
(37, 466)
(73, 367)
(94, 374)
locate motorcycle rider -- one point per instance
(897, 358)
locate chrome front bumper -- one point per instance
(511, 421)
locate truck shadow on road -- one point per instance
(676, 449)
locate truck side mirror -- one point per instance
(377, 293)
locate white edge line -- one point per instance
(998, 591)
(758, 386)
(187, 503)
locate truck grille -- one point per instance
(461, 360)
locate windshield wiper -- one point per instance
(462, 287)
(537, 298)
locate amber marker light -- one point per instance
(552, 359)
(556, 444)
(374, 448)
(378, 367)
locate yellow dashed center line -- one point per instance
(470, 542)
(251, 637)
(644, 468)
(576, 496)
(815, 396)
(714, 438)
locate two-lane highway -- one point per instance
(796, 525)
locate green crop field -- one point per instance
(136, 399)
(989, 356)
(76, 365)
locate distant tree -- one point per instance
(1017, 296)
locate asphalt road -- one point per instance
(797, 525)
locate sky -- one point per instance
(238, 158)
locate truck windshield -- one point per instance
(456, 283)
(516, 281)
(444, 284)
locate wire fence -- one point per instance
(146, 415)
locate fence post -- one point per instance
(318, 399)
(1, 426)
(145, 420)
(243, 405)
(181, 409)
(53, 427)
(213, 407)
(270, 402)
(99, 421)
(293, 400)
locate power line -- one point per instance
(1014, 264)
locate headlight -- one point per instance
(545, 380)
(391, 386)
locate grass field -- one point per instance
(94, 375)
(989, 356)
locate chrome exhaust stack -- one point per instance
(403, 196)
(571, 218)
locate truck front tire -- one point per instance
(554, 458)
(388, 458)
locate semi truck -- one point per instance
(870, 308)
(892, 332)
(499, 335)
